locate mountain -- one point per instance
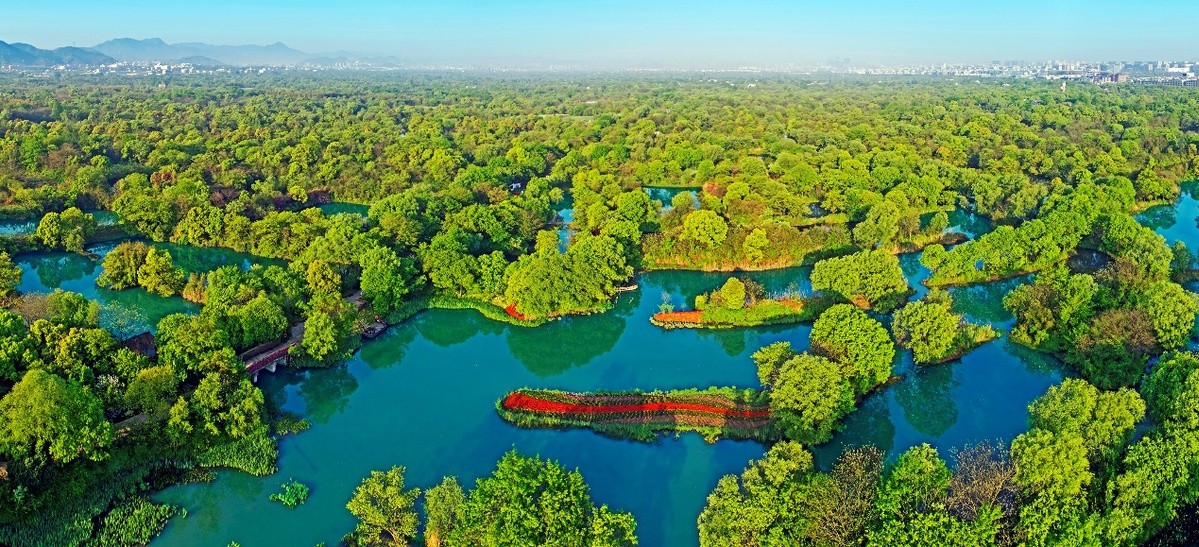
(27, 55)
(154, 49)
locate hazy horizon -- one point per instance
(627, 34)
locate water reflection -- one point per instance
(926, 397)
(55, 269)
(666, 195)
(869, 425)
(556, 347)
(448, 328)
(984, 302)
(1176, 221)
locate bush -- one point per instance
(293, 494)
(255, 454)
(136, 521)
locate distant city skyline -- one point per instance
(695, 34)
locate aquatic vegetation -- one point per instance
(293, 493)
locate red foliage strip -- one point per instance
(511, 309)
(520, 401)
(679, 316)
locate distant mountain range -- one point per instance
(27, 55)
(156, 50)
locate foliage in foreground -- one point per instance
(525, 501)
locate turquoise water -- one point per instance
(566, 212)
(25, 227)
(1179, 221)
(44, 272)
(17, 227)
(423, 396)
(664, 195)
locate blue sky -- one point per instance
(645, 33)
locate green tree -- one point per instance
(10, 275)
(732, 294)
(120, 267)
(867, 278)
(809, 396)
(858, 342)
(1172, 310)
(159, 275)
(755, 245)
(47, 418)
(257, 321)
(705, 227)
(529, 501)
(1104, 420)
(385, 511)
(386, 279)
(444, 509)
(880, 228)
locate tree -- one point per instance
(151, 390)
(10, 275)
(529, 501)
(444, 509)
(867, 278)
(704, 227)
(258, 321)
(809, 396)
(386, 279)
(159, 275)
(770, 360)
(934, 332)
(68, 230)
(322, 279)
(320, 336)
(120, 267)
(1172, 310)
(385, 510)
(47, 418)
(912, 506)
(1053, 472)
(71, 309)
(1104, 420)
(732, 294)
(858, 342)
(764, 507)
(929, 328)
(880, 227)
(755, 245)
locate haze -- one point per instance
(640, 34)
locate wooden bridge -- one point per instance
(268, 357)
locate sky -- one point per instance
(640, 33)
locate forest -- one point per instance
(466, 182)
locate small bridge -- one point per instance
(268, 357)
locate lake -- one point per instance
(423, 396)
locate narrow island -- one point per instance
(714, 412)
(740, 303)
(936, 334)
